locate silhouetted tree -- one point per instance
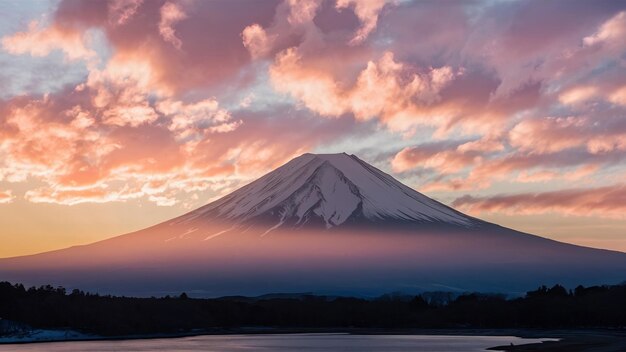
(555, 307)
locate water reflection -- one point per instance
(291, 342)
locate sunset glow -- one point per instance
(117, 115)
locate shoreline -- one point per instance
(575, 340)
(590, 340)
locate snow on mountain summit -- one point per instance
(329, 190)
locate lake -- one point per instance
(284, 342)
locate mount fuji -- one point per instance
(328, 191)
(325, 224)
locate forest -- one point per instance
(49, 307)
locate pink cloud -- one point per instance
(547, 135)
(386, 89)
(578, 95)
(155, 31)
(165, 103)
(609, 202)
(505, 167)
(485, 144)
(611, 31)
(171, 14)
(537, 176)
(550, 135)
(256, 40)
(443, 161)
(453, 168)
(302, 11)
(39, 41)
(187, 119)
(367, 11)
(121, 11)
(619, 96)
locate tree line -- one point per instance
(49, 307)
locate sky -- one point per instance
(116, 115)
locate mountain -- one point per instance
(328, 191)
(327, 224)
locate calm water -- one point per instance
(296, 342)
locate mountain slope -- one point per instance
(329, 190)
(329, 224)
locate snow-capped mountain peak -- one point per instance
(328, 190)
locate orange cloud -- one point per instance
(124, 132)
(191, 150)
(71, 196)
(48, 149)
(6, 197)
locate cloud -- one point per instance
(386, 89)
(193, 149)
(493, 94)
(111, 137)
(171, 14)
(505, 167)
(546, 135)
(72, 195)
(550, 175)
(256, 40)
(122, 90)
(35, 147)
(188, 119)
(550, 135)
(443, 161)
(533, 150)
(179, 40)
(578, 95)
(446, 158)
(611, 31)
(604, 202)
(121, 11)
(537, 176)
(485, 144)
(367, 11)
(6, 197)
(302, 11)
(39, 41)
(619, 96)
(124, 133)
